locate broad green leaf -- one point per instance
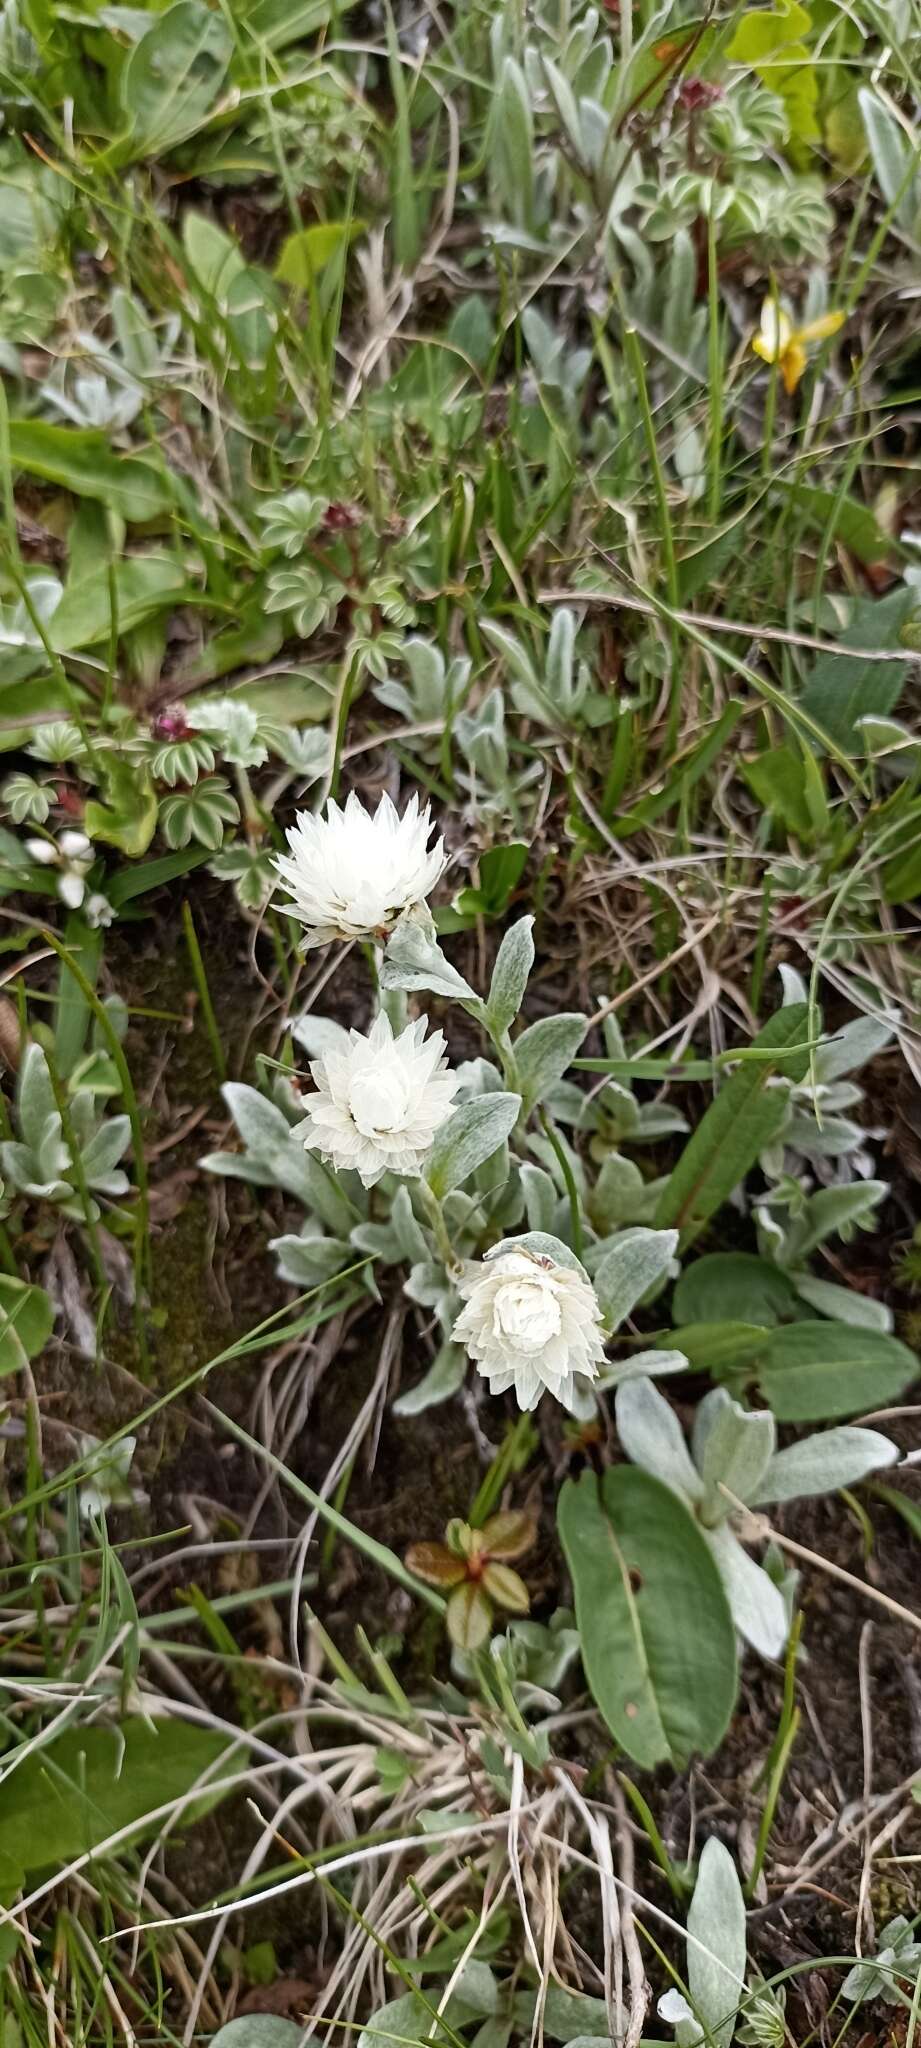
(128, 819)
(778, 779)
(89, 1782)
(304, 254)
(901, 874)
(172, 79)
(847, 520)
(658, 1642)
(724, 1350)
(26, 1322)
(742, 1120)
(813, 1372)
(139, 588)
(734, 1287)
(501, 869)
(470, 1136)
(81, 460)
(770, 40)
(216, 259)
(841, 688)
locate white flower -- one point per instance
(380, 1100)
(351, 874)
(73, 856)
(99, 912)
(530, 1325)
(106, 1483)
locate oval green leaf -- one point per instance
(658, 1642)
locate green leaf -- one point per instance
(172, 79)
(724, 1350)
(258, 2030)
(717, 1947)
(80, 459)
(213, 255)
(778, 779)
(151, 874)
(770, 40)
(544, 1051)
(303, 255)
(446, 1373)
(814, 1372)
(501, 869)
(469, 1138)
(414, 961)
(734, 1287)
(893, 157)
(514, 962)
(636, 1260)
(901, 1504)
(128, 819)
(819, 1464)
(742, 1120)
(846, 520)
(140, 587)
(841, 688)
(901, 875)
(89, 1782)
(658, 1642)
(26, 1323)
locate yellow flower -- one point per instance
(778, 341)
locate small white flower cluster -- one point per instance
(72, 855)
(528, 1323)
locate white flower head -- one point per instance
(73, 856)
(99, 912)
(531, 1325)
(106, 1483)
(380, 1100)
(351, 874)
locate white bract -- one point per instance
(380, 1100)
(73, 856)
(351, 875)
(531, 1325)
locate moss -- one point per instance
(187, 1324)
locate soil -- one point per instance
(860, 1733)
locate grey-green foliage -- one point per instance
(892, 1972)
(734, 1462)
(716, 1956)
(38, 1162)
(552, 689)
(817, 1133)
(433, 690)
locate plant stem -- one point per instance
(204, 993)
